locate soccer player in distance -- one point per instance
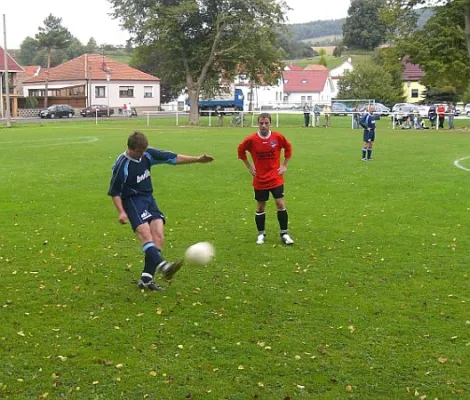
(368, 123)
(265, 147)
(132, 193)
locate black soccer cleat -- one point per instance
(149, 286)
(169, 269)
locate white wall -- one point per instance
(138, 101)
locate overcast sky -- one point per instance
(89, 18)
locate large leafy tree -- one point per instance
(401, 9)
(203, 43)
(370, 81)
(441, 50)
(28, 50)
(52, 36)
(364, 29)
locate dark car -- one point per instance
(57, 111)
(94, 110)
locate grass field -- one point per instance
(372, 301)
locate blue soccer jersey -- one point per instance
(132, 177)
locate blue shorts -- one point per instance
(369, 136)
(141, 210)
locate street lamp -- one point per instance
(108, 78)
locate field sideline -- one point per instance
(372, 301)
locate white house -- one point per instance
(95, 79)
(337, 72)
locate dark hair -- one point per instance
(264, 115)
(137, 140)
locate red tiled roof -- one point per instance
(304, 81)
(12, 65)
(315, 67)
(292, 67)
(412, 72)
(92, 66)
(29, 71)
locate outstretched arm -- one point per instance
(182, 159)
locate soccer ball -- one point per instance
(200, 253)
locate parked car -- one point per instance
(340, 109)
(467, 110)
(57, 111)
(98, 109)
(379, 108)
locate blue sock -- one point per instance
(152, 259)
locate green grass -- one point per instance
(372, 302)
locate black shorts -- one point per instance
(263, 194)
(141, 209)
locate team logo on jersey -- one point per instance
(145, 215)
(145, 175)
(273, 144)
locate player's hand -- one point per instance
(205, 158)
(123, 218)
(252, 170)
(282, 169)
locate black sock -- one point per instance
(260, 219)
(152, 258)
(369, 154)
(364, 151)
(283, 219)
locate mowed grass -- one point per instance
(372, 301)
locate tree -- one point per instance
(203, 43)
(91, 47)
(52, 36)
(338, 50)
(364, 29)
(401, 9)
(28, 49)
(369, 81)
(441, 50)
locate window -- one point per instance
(302, 99)
(126, 91)
(309, 98)
(249, 96)
(148, 91)
(100, 91)
(414, 93)
(276, 96)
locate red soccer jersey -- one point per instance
(266, 155)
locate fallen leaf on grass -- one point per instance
(442, 360)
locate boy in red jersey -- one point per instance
(265, 147)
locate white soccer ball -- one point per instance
(200, 253)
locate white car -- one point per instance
(467, 110)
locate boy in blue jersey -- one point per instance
(132, 193)
(368, 123)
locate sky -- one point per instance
(90, 18)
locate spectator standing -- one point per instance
(306, 115)
(316, 115)
(327, 112)
(441, 113)
(451, 115)
(432, 116)
(124, 110)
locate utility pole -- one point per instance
(5, 63)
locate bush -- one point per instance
(31, 102)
